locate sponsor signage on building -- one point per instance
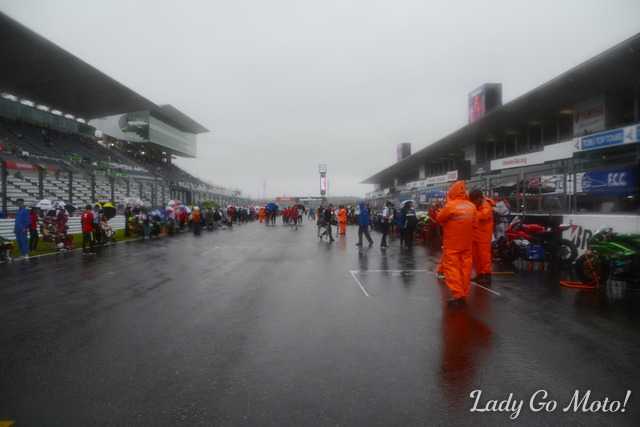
(626, 135)
(618, 181)
(605, 139)
(589, 116)
(450, 176)
(516, 161)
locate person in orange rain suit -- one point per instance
(261, 214)
(458, 219)
(342, 219)
(482, 235)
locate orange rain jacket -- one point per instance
(342, 215)
(484, 231)
(457, 218)
(482, 235)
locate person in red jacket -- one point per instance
(458, 218)
(87, 230)
(33, 230)
(434, 226)
(482, 235)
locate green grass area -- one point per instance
(48, 248)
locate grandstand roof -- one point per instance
(614, 72)
(36, 69)
(175, 117)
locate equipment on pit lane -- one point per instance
(533, 242)
(609, 255)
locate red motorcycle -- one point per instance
(533, 242)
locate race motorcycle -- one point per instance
(533, 242)
(609, 255)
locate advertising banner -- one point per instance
(617, 181)
(20, 165)
(589, 116)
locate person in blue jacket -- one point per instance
(364, 222)
(21, 228)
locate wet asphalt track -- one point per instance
(268, 326)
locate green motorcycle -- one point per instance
(609, 255)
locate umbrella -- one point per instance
(109, 210)
(44, 204)
(405, 202)
(184, 208)
(168, 208)
(66, 206)
(132, 201)
(174, 202)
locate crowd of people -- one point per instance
(33, 225)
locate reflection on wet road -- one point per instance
(266, 325)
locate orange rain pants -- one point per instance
(482, 257)
(457, 270)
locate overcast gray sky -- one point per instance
(286, 85)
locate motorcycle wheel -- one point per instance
(512, 252)
(587, 274)
(564, 253)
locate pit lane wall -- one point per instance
(583, 226)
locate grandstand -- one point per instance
(51, 106)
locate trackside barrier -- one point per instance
(6, 226)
